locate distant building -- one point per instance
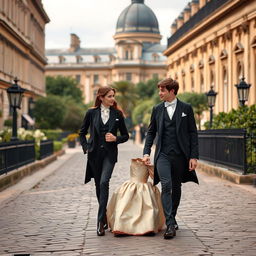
(22, 26)
(213, 43)
(137, 55)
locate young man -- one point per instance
(176, 151)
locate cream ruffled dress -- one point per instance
(135, 208)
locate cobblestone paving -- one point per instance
(58, 217)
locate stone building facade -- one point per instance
(22, 48)
(213, 43)
(137, 54)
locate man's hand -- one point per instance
(146, 160)
(110, 137)
(192, 164)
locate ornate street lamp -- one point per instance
(15, 96)
(211, 97)
(243, 91)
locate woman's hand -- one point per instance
(110, 137)
(192, 164)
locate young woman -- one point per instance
(103, 122)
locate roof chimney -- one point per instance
(173, 27)
(74, 43)
(187, 13)
(202, 3)
(194, 7)
(180, 20)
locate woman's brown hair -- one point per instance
(102, 92)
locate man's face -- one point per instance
(166, 95)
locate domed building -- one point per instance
(137, 55)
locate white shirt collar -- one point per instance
(102, 107)
(173, 102)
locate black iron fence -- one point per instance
(46, 148)
(16, 154)
(228, 147)
(251, 153)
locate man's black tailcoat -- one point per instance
(186, 133)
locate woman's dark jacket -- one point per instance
(92, 146)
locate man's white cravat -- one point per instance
(104, 113)
(170, 107)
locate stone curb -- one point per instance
(226, 174)
(14, 176)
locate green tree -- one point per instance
(198, 102)
(148, 89)
(64, 87)
(142, 112)
(49, 112)
(243, 117)
(126, 96)
(73, 117)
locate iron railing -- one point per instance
(231, 148)
(46, 148)
(16, 154)
(251, 153)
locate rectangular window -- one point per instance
(127, 55)
(155, 76)
(128, 76)
(78, 78)
(96, 79)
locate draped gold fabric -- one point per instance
(135, 207)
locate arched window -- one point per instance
(202, 83)
(212, 79)
(225, 89)
(240, 70)
(192, 84)
(128, 53)
(183, 83)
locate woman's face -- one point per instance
(109, 99)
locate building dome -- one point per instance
(137, 18)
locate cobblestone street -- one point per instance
(58, 217)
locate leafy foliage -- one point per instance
(64, 87)
(146, 90)
(243, 117)
(72, 136)
(198, 102)
(52, 134)
(142, 112)
(49, 112)
(73, 117)
(57, 146)
(126, 96)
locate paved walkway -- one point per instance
(58, 215)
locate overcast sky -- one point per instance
(94, 21)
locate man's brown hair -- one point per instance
(169, 84)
